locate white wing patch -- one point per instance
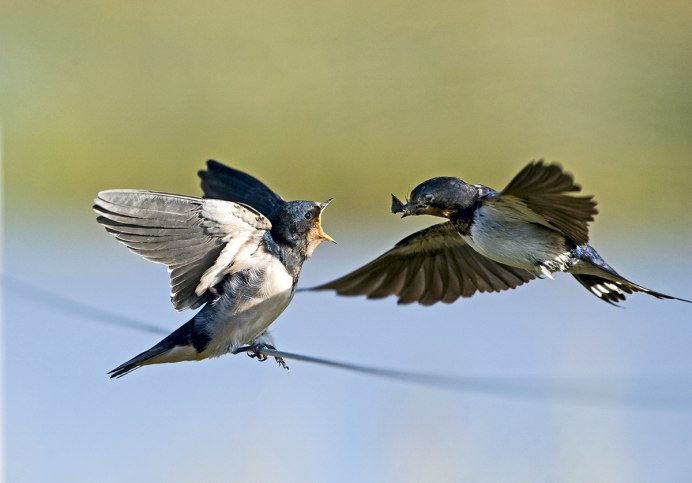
(199, 240)
(241, 233)
(228, 214)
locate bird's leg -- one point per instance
(254, 349)
(266, 341)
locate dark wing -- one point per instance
(223, 183)
(199, 240)
(429, 266)
(543, 189)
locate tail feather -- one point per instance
(181, 338)
(139, 360)
(603, 281)
(613, 290)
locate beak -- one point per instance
(325, 204)
(321, 232)
(399, 207)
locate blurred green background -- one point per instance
(352, 100)
(348, 99)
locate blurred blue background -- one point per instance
(353, 100)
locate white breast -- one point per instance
(504, 236)
(238, 321)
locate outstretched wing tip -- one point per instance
(187, 234)
(219, 181)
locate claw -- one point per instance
(280, 360)
(282, 363)
(255, 351)
(255, 354)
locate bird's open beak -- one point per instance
(321, 232)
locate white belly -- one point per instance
(514, 242)
(238, 322)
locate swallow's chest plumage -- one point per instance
(505, 236)
(252, 300)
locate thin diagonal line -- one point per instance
(51, 299)
(666, 394)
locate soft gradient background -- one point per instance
(352, 100)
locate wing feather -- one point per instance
(429, 266)
(543, 189)
(225, 183)
(197, 239)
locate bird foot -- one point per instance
(255, 351)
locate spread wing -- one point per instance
(429, 266)
(199, 240)
(223, 183)
(543, 189)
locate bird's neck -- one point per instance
(291, 254)
(462, 209)
(463, 218)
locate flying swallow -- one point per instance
(493, 241)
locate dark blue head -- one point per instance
(442, 196)
(298, 223)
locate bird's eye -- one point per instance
(308, 216)
(428, 197)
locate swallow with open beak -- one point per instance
(238, 259)
(492, 241)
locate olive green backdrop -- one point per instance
(352, 100)
(348, 99)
